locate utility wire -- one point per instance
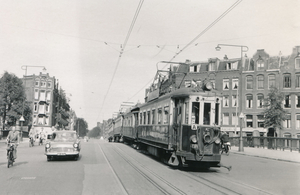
(121, 52)
(199, 35)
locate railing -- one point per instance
(275, 143)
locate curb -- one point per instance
(265, 157)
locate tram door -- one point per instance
(177, 117)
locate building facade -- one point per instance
(246, 82)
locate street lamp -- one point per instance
(239, 90)
(21, 131)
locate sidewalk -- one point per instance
(280, 155)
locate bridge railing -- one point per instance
(275, 143)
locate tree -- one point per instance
(274, 113)
(13, 100)
(81, 127)
(95, 132)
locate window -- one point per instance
(35, 107)
(225, 101)
(195, 112)
(249, 82)
(148, 117)
(187, 110)
(234, 101)
(166, 115)
(206, 114)
(43, 95)
(287, 122)
(271, 81)
(226, 84)
(48, 95)
(235, 119)
(43, 84)
(153, 116)
(46, 120)
(297, 121)
(297, 81)
(211, 66)
(47, 108)
(298, 101)
(235, 84)
(36, 94)
(34, 119)
(249, 120)
(37, 83)
(159, 116)
(217, 113)
(40, 120)
(260, 82)
(225, 118)
(260, 64)
(49, 84)
(260, 99)
(297, 63)
(260, 121)
(144, 118)
(213, 82)
(141, 118)
(249, 101)
(287, 101)
(287, 81)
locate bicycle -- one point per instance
(10, 155)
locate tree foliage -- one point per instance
(274, 113)
(81, 127)
(95, 132)
(13, 100)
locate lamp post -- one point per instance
(21, 131)
(239, 91)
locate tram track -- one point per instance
(219, 184)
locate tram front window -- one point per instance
(206, 114)
(195, 112)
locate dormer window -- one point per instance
(260, 64)
(297, 63)
(211, 66)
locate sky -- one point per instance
(80, 42)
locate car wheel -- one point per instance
(76, 157)
(49, 158)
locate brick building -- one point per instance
(255, 76)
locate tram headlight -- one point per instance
(207, 138)
(75, 145)
(193, 139)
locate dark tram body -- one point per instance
(179, 125)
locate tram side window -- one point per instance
(148, 117)
(186, 112)
(153, 117)
(206, 114)
(159, 116)
(144, 117)
(166, 115)
(195, 112)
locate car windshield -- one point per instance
(64, 137)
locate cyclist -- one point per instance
(31, 135)
(13, 137)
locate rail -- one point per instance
(275, 143)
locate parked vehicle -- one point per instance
(63, 144)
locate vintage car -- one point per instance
(63, 144)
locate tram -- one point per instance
(178, 123)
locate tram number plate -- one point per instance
(61, 154)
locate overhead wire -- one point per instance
(199, 35)
(121, 52)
